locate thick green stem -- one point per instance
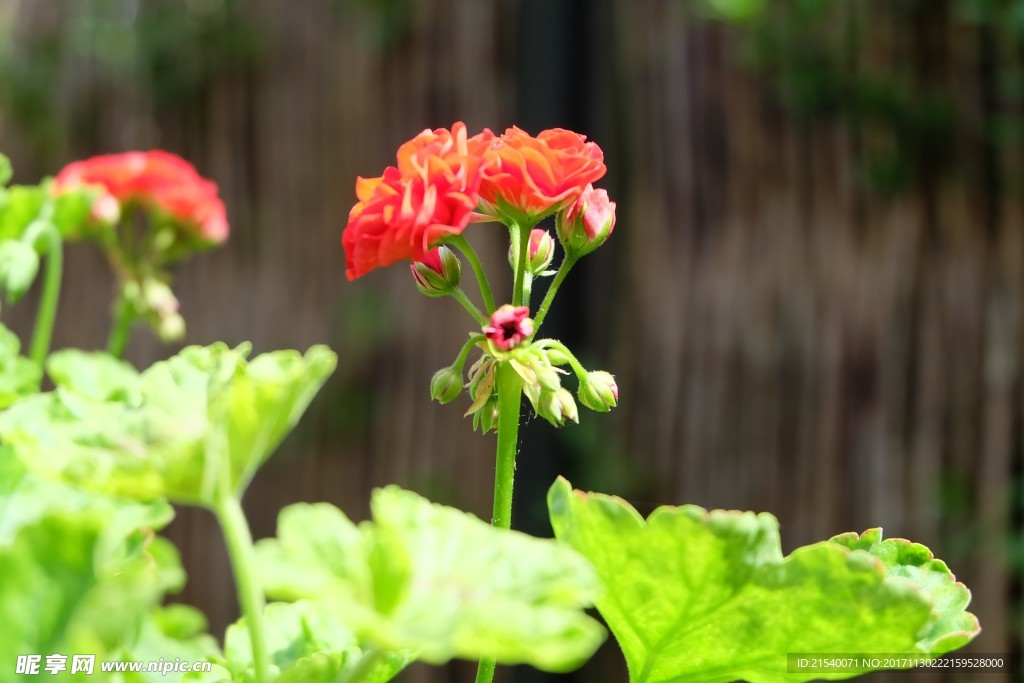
(119, 333)
(509, 388)
(461, 297)
(250, 594)
(47, 313)
(520, 238)
(361, 671)
(463, 245)
(567, 263)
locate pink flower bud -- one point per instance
(598, 391)
(438, 273)
(585, 225)
(510, 325)
(542, 250)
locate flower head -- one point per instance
(585, 225)
(430, 194)
(532, 177)
(510, 326)
(155, 180)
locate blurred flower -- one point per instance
(527, 178)
(585, 225)
(155, 180)
(438, 273)
(510, 325)
(430, 194)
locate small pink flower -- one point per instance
(510, 325)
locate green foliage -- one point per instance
(67, 587)
(309, 644)
(438, 582)
(697, 595)
(19, 376)
(191, 428)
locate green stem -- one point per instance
(463, 245)
(509, 388)
(461, 297)
(122, 328)
(521, 239)
(250, 596)
(460, 360)
(363, 667)
(574, 363)
(47, 313)
(567, 263)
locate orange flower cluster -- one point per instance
(442, 177)
(155, 180)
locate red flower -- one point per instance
(510, 325)
(531, 177)
(156, 180)
(408, 210)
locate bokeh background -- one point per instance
(812, 300)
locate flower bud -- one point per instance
(585, 225)
(541, 251)
(510, 326)
(557, 406)
(171, 327)
(438, 273)
(446, 385)
(598, 391)
(486, 419)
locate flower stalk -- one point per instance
(545, 305)
(509, 388)
(463, 245)
(124, 318)
(46, 315)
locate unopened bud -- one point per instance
(486, 419)
(446, 385)
(558, 406)
(598, 391)
(438, 273)
(171, 327)
(585, 225)
(541, 251)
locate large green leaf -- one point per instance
(65, 590)
(19, 376)
(437, 581)
(309, 644)
(189, 428)
(170, 633)
(708, 596)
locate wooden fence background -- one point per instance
(812, 301)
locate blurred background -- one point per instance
(812, 300)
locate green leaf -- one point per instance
(64, 591)
(169, 633)
(5, 170)
(437, 581)
(697, 595)
(19, 376)
(189, 428)
(95, 375)
(954, 627)
(308, 644)
(25, 498)
(19, 264)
